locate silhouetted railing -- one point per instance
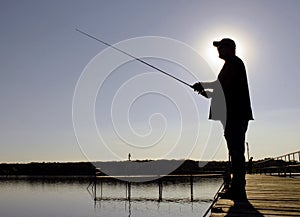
(291, 157)
(284, 165)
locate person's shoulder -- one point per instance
(238, 60)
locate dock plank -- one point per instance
(267, 196)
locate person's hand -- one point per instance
(198, 87)
(207, 94)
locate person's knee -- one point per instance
(235, 148)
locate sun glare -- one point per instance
(212, 57)
(210, 53)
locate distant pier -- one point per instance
(95, 187)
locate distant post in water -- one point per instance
(160, 189)
(192, 188)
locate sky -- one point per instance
(44, 62)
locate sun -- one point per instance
(210, 54)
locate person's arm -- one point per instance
(209, 85)
(200, 86)
(204, 88)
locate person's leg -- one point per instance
(235, 131)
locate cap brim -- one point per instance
(216, 43)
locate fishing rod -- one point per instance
(128, 54)
(224, 186)
(215, 199)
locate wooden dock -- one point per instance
(267, 196)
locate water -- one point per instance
(71, 198)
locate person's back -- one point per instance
(233, 80)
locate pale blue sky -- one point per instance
(42, 58)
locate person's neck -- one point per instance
(228, 58)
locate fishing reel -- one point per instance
(199, 88)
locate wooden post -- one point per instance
(101, 189)
(192, 188)
(160, 189)
(248, 150)
(95, 188)
(128, 192)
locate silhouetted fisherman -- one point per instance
(230, 104)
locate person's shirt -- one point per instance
(235, 90)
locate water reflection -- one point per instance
(36, 197)
(170, 190)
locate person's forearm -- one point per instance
(209, 85)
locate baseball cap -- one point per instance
(224, 41)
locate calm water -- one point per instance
(63, 198)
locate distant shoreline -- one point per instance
(124, 168)
(120, 168)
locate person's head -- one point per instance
(226, 48)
